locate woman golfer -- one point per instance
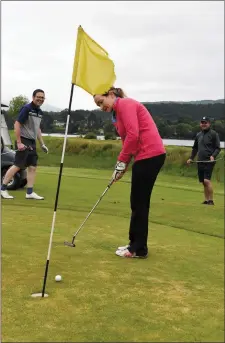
(141, 141)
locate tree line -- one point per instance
(173, 119)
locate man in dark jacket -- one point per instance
(206, 147)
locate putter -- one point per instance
(207, 161)
(72, 244)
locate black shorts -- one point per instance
(205, 171)
(28, 157)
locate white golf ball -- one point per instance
(58, 278)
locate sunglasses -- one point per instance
(204, 122)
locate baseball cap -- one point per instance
(207, 119)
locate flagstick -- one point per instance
(57, 192)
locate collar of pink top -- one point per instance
(116, 103)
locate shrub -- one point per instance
(90, 135)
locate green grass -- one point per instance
(176, 295)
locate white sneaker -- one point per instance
(6, 195)
(34, 196)
(123, 247)
(126, 253)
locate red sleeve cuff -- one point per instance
(126, 158)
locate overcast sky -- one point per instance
(163, 51)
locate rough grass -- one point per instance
(96, 154)
(176, 295)
(82, 153)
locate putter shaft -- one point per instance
(76, 233)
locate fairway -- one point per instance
(176, 295)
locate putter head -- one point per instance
(69, 244)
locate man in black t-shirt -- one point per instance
(206, 147)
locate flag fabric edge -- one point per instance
(77, 53)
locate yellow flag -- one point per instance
(93, 70)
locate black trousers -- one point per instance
(144, 175)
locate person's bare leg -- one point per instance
(206, 192)
(209, 188)
(31, 173)
(10, 173)
(8, 176)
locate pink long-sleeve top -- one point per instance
(138, 131)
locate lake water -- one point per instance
(173, 142)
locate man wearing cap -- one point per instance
(206, 147)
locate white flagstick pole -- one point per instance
(57, 193)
